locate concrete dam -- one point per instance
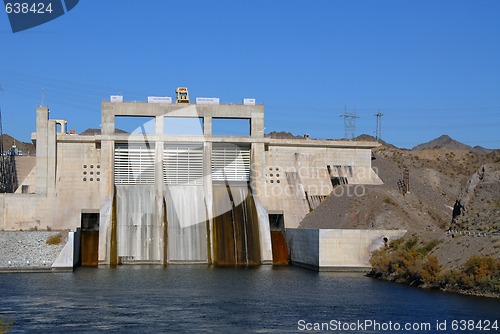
(157, 196)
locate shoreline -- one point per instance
(471, 293)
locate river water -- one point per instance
(201, 299)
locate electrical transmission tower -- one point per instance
(378, 133)
(8, 176)
(3, 176)
(349, 123)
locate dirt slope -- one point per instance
(438, 177)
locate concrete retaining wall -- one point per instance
(69, 257)
(336, 249)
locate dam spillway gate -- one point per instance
(179, 223)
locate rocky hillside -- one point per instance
(478, 207)
(96, 132)
(438, 178)
(8, 142)
(446, 142)
(282, 135)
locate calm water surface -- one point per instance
(200, 299)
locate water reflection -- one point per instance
(214, 300)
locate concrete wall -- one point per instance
(303, 247)
(294, 173)
(336, 250)
(255, 113)
(62, 193)
(77, 183)
(24, 212)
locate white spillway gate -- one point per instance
(141, 210)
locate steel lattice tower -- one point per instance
(349, 124)
(3, 176)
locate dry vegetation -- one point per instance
(410, 261)
(5, 325)
(54, 239)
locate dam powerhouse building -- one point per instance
(152, 196)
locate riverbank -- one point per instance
(30, 251)
(412, 262)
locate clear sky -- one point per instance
(431, 67)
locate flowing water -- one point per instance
(186, 221)
(141, 225)
(138, 230)
(236, 230)
(201, 299)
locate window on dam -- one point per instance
(183, 126)
(135, 124)
(231, 127)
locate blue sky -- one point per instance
(431, 67)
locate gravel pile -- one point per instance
(28, 250)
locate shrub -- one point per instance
(426, 248)
(394, 244)
(404, 261)
(54, 239)
(5, 325)
(430, 270)
(410, 243)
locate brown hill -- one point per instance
(282, 135)
(96, 132)
(437, 179)
(366, 137)
(8, 142)
(449, 143)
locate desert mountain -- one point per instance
(282, 135)
(438, 179)
(366, 137)
(95, 131)
(449, 143)
(8, 142)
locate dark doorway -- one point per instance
(90, 239)
(278, 241)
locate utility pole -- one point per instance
(349, 123)
(378, 133)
